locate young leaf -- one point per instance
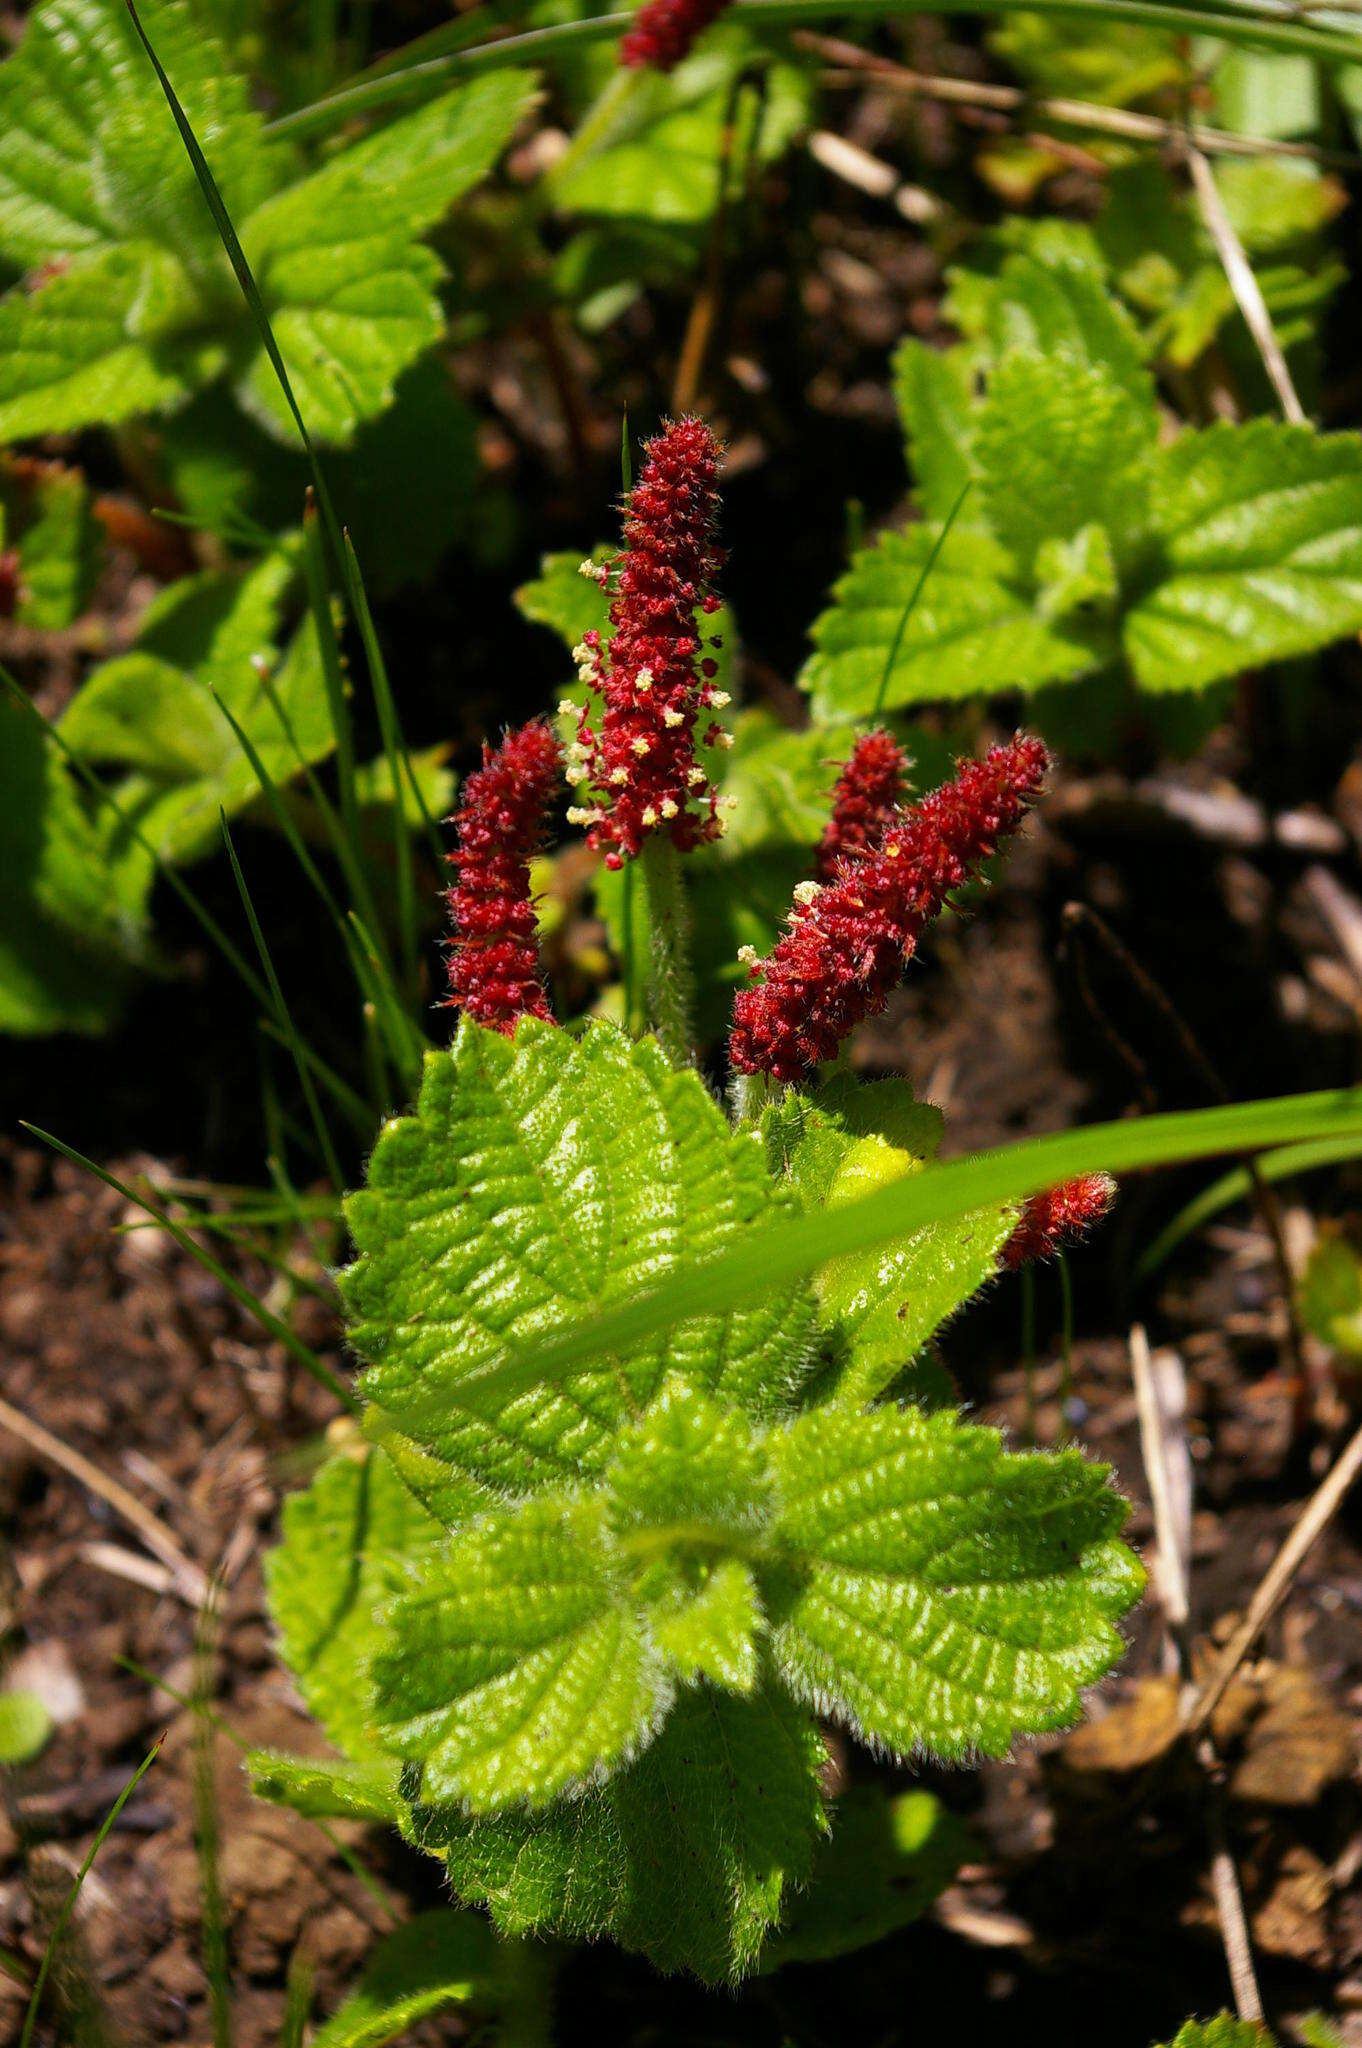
(436, 1960)
(538, 1181)
(328, 1789)
(1259, 552)
(519, 1666)
(885, 1862)
(84, 347)
(943, 1594)
(346, 1544)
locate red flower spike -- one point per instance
(664, 30)
(845, 946)
(1056, 1217)
(493, 957)
(869, 791)
(652, 681)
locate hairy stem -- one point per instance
(671, 982)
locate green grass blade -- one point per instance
(288, 826)
(784, 1252)
(342, 550)
(245, 277)
(395, 747)
(344, 846)
(445, 56)
(235, 959)
(933, 557)
(240, 1293)
(106, 1827)
(406, 1044)
(284, 1017)
(319, 599)
(1237, 1186)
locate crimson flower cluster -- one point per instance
(654, 681)
(493, 958)
(1058, 1216)
(664, 30)
(869, 791)
(847, 942)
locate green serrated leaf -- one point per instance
(436, 1960)
(48, 516)
(158, 710)
(686, 1856)
(73, 921)
(349, 292)
(662, 159)
(1259, 539)
(351, 301)
(539, 1180)
(347, 1543)
(1060, 307)
(934, 390)
(519, 1665)
(328, 1788)
(1060, 445)
(839, 1144)
(83, 347)
(1223, 2032)
(88, 154)
(973, 631)
(943, 1595)
(885, 1862)
(689, 1467)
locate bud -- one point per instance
(1058, 1216)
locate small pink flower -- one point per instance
(1057, 1216)
(494, 974)
(664, 30)
(845, 946)
(869, 791)
(655, 680)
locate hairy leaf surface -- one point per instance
(348, 1542)
(944, 1594)
(1259, 537)
(538, 1181)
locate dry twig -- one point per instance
(1276, 1583)
(191, 1582)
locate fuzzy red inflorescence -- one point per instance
(869, 791)
(847, 943)
(664, 30)
(493, 956)
(1057, 1216)
(654, 680)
